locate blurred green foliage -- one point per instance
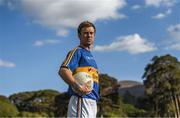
(7, 109)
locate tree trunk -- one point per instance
(178, 99)
(174, 107)
(176, 104)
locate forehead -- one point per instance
(87, 29)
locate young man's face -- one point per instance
(87, 36)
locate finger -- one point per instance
(88, 83)
(88, 90)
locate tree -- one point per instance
(162, 84)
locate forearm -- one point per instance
(67, 76)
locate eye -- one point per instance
(85, 34)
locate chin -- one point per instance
(87, 45)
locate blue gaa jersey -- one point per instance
(81, 60)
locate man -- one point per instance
(83, 102)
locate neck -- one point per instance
(89, 47)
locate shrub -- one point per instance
(7, 109)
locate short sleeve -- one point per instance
(72, 60)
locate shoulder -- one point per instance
(75, 51)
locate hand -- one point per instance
(82, 89)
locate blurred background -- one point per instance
(36, 35)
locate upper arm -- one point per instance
(72, 60)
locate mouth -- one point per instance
(89, 39)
